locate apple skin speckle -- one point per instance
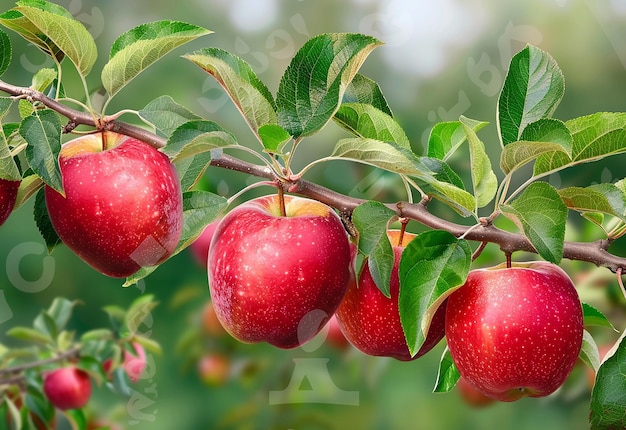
(515, 332)
(271, 276)
(123, 206)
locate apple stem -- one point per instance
(508, 260)
(403, 223)
(281, 200)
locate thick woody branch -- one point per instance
(593, 252)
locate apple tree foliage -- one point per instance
(322, 87)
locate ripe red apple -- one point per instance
(199, 248)
(123, 203)
(67, 388)
(515, 332)
(371, 322)
(272, 276)
(8, 195)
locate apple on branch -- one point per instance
(67, 388)
(271, 272)
(371, 321)
(515, 332)
(122, 208)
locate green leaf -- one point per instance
(532, 90)
(484, 180)
(44, 225)
(36, 402)
(44, 323)
(166, 115)
(312, 87)
(149, 344)
(97, 335)
(69, 35)
(138, 48)
(608, 398)
(246, 90)
(28, 187)
(191, 169)
(433, 266)
(199, 209)
(589, 352)
(140, 309)
(371, 220)
(60, 311)
(446, 137)
(541, 214)
(447, 375)
(195, 137)
(432, 174)
(604, 198)
(366, 91)
(8, 166)
(593, 317)
(42, 131)
(545, 136)
(595, 136)
(43, 78)
(13, 412)
(366, 121)
(29, 335)
(77, 418)
(6, 52)
(274, 138)
(16, 21)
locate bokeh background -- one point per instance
(440, 60)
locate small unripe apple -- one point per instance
(515, 332)
(272, 276)
(371, 321)
(67, 388)
(8, 195)
(214, 369)
(122, 208)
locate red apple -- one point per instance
(214, 369)
(8, 195)
(133, 365)
(123, 203)
(272, 276)
(515, 332)
(371, 322)
(67, 388)
(199, 248)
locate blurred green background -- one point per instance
(440, 60)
